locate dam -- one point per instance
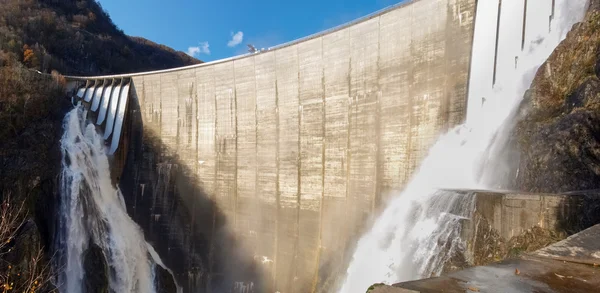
(261, 172)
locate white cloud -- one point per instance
(236, 39)
(203, 48)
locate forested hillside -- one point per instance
(77, 38)
(62, 37)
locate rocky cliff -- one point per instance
(558, 131)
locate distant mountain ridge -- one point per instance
(76, 37)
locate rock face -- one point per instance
(493, 248)
(96, 270)
(24, 265)
(558, 132)
(31, 112)
(559, 129)
(164, 281)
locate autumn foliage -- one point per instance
(22, 270)
(29, 57)
(76, 37)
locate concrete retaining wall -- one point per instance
(511, 214)
(500, 217)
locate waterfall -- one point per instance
(419, 230)
(92, 210)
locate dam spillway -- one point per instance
(289, 152)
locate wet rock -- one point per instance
(532, 240)
(586, 95)
(31, 113)
(164, 281)
(96, 270)
(24, 246)
(597, 68)
(489, 247)
(382, 288)
(594, 5)
(558, 132)
(23, 261)
(563, 155)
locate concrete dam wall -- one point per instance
(259, 173)
(297, 146)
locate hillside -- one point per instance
(52, 36)
(77, 38)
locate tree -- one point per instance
(29, 57)
(33, 275)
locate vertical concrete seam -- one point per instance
(348, 149)
(299, 166)
(466, 98)
(277, 187)
(349, 123)
(197, 158)
(448, 77)
(215, 137)
(503, 227)
(409, 134)
(160, 112)
(523, 32)
(378, 165)
(192, 95)
(179, 119)
(215, 182)
(322, 199)
(235, 170)
(497, 43)
(197, 130)
(255, 130)
(552, 15)
(541, 218)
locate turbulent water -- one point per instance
(92, 211)
(419, 229)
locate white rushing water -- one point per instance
(419, 229)
(93, 211)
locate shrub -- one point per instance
(31, 274)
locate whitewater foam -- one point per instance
(92, 210)
(419, 231)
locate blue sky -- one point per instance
(212, 30)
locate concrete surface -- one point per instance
(509, 214)
(583, 247)
(298, 146)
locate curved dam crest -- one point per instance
(261, 172)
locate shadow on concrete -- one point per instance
(180, 220)
(580, 210)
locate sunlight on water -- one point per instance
(420, 228)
